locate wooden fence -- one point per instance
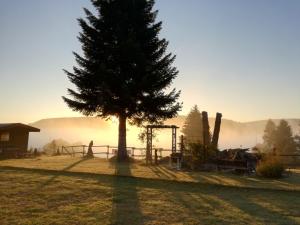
(107, 151)
(290, 161)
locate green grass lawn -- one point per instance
(62, 190)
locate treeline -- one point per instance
(193, 127)
(280, 139)
(195, 151)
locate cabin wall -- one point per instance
(14, 139)
(19, 139)
(17, 143)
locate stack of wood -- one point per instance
(237, 159)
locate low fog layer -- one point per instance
(83, 130)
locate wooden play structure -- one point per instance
(149, 147)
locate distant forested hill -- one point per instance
(83, 129)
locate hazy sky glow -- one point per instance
(239, 57)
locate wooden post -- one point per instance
(155, 159)
(217, 128)
(178, 164)
(149, 146)
(107, 152)
(206, 135)
(174, 129)
(90, 152)
(181, 144)
(151, 131)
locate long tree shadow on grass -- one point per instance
(67, 168)
(159, 173)
(260, 206)
(126, 206)
(242, 206)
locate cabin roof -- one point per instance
(12, 126)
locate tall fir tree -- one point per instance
(269, 135)
(284, 140)
(192, 128)
(279, 138)
(125, 69)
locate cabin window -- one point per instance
(4, 137)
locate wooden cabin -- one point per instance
(14, 139)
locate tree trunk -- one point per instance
(122, 152)
(217, 128)
(205, 124)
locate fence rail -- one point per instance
(110, 151)
(290, 161)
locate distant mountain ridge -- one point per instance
(92, 122)
(83, 129)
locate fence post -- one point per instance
(155, 159)
(181, 144)
(107, 152)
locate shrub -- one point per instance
(195, 155)
(270, 168)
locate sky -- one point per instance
(237, 57)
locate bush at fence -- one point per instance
(270, 167)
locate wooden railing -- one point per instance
(109, 151)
